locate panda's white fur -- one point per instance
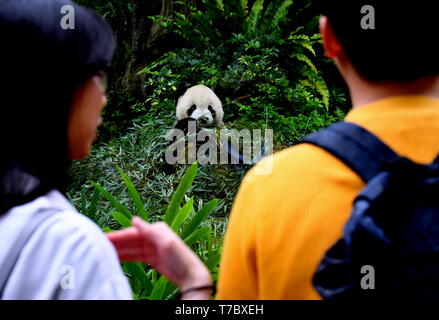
(202, 97)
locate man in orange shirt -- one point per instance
(283, 223)
(285, 219)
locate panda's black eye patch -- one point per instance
(183, 124)
(210, 108)
(191, 110)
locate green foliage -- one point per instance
(89, 210)
(114, 202)
(263, 59)
(131, 28)
(215, 21)
(134, 195)
(264, 64)
(186, 221)
(122, 219)
(179, 194)
(140, 154)
(253, 18)
(198, 218)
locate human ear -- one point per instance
(331, 45)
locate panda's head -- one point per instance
(201, 104)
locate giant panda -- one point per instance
(200, 106)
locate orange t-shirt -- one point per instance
(283, 222)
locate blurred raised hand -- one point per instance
(157, 245)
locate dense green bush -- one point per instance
(263, 59)
(185, 220)
(140, 154)
(264, 69)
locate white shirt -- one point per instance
(67, 256)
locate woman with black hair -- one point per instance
(52, 94)
(51, 100)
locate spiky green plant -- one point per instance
(181, 216)
(244, 30)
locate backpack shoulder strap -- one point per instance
(12, 256)
(359, 149)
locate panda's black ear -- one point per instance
(212, 111)
(191, 110)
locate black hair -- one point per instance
(401, 47)
(41, 66)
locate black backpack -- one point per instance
(390, 244)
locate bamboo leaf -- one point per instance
(213, 260)
(159, 289)
(182, 215)
(93, 204)
(107, 229)
(174, 293)
(114, 202)
(199, 217)
(197, 235)
(138, 273)
(83, 201)
(134, 195)
(123, 221)
(178, 196)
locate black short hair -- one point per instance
(401, 47)
(41, 65)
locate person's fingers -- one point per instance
(148, 228)
(131, 255)
(138, 255)
(123, 239)
(154, 235)
(139, 250)
(123, 235)
(165, 251)
(142, 226)
(137, 245)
